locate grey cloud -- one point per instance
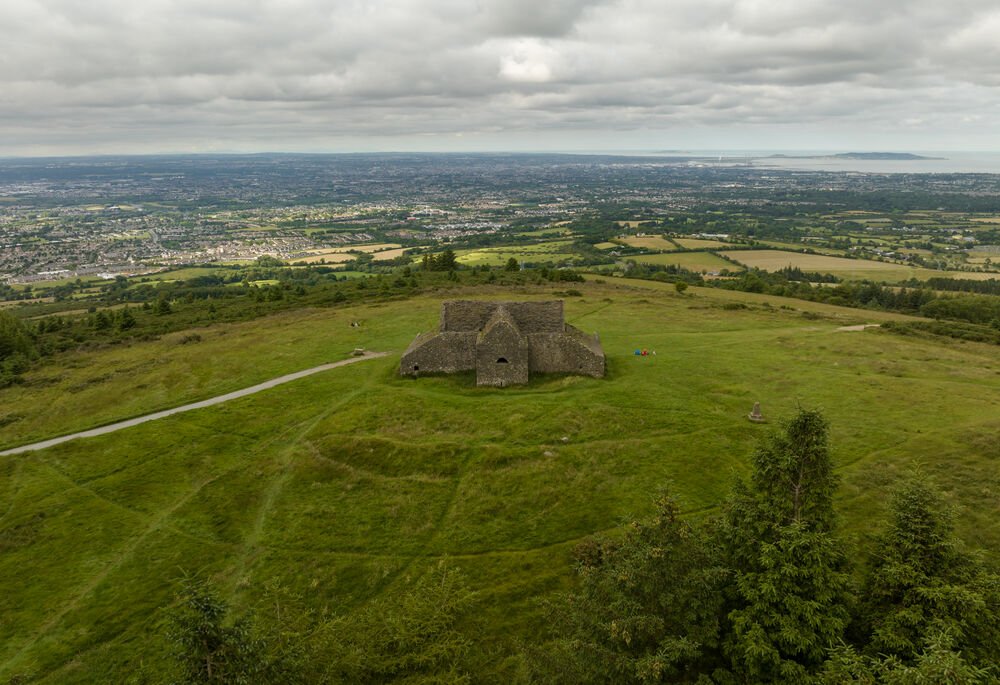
(295, 73)
(552, 18)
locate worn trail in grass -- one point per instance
(211, 402)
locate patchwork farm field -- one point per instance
(700, 243)
(773, 260)
(851, 269)
(650, 242)
(694, 261)
(340, 255)
(374, 247)
(535, 253)
(798, 246)
(327, 256)
(348, 485)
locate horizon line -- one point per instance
(695, 152)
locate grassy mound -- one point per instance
(345, 485)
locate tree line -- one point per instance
(972, 310)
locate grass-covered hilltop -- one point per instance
(350, 525)
(356, 526)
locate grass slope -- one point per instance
(346, 484)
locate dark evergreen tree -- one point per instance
(446, 261)
(937, 664)
(125, 320)
(209, 647)
(102, 321)
(647, 610)
(788, 603)
(14, 337)
(922, 585)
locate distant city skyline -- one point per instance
(230, 76)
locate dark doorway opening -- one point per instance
(502, 360)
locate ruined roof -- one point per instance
(500, 317)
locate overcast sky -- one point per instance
(110, 76)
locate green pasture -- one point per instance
(184, 273)
(650, 242)
(551, 230)
(799, 246)
(868, 238)
(58, 282)
(345, 485)
(694, 261)
(850, 269)
(534, 253)
(700, 243)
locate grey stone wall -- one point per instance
(537, 317)
(501, 354)
(465, 315)
(531, 317)
(439, 353)
(565, 353)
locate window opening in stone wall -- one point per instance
(502, 360)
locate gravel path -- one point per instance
(112, 427)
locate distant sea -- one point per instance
(817, 160)
(949, 163)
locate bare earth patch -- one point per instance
(859, 327)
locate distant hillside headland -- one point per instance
(873, 156)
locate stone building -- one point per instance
(504, 342)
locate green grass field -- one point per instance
(798, 246)
(700, 243)
(550, 252)
(344, 485)
(185, 273)
(554, 229)
(650, 242)
(694, 261)
(850, 269)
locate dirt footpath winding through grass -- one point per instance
(266, 385)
